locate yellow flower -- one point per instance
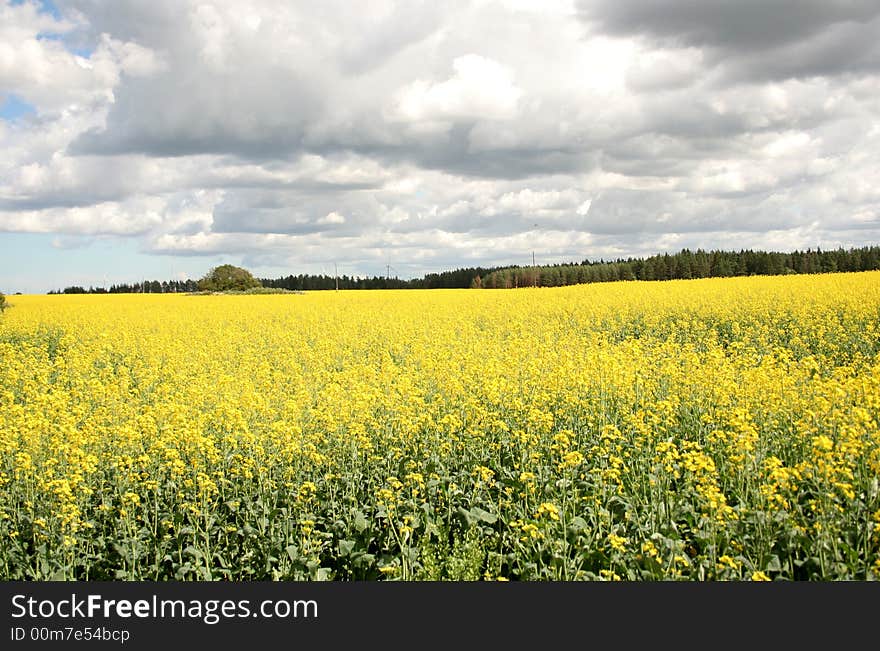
(571, 460)
(484, 473)
(608, 575)
(755, 399)
(549, 510)
(650, 549)
(618, 543)
(727, 562)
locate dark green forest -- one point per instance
(667, 266)
(686, 264)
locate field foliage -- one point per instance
(717, 429)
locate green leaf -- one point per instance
(346, 547)
(577, 523)
(323, 574)
(192, 551)
(480, 515)
(360, 559)
(467, 516)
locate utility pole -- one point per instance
(336, 275)
(534, 271)
(534, 268)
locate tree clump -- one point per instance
(226, 278)
(2, 302)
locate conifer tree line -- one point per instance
(456, 279)
(686, 264)
(682, 265)
(145, 287)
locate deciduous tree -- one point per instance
(228, 278)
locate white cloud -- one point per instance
(332, 218)
(663, 69)
(480, 89)
(439, 134)
(135, 216)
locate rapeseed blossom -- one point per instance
(689, 430)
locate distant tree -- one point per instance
(227, 277)
(2, 302)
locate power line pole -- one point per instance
(534, 271)
(336, 275)
(534, 268)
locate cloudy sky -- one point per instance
(151, 139)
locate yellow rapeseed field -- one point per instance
(697, 430)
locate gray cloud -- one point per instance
(290, 212)
(254, 115)
(745, 24)
(753, 39)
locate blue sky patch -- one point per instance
(13, 108)
(84, 52)
(46, 7)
